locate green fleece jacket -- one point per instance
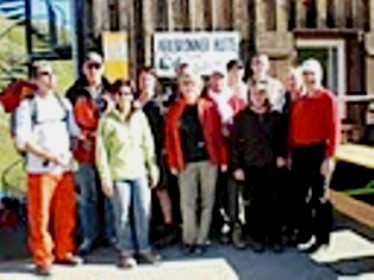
(124, 149)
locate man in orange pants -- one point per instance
(44, 127)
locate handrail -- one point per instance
(4, 182)
(9, 28)
(355, 98)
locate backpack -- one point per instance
(34, 119)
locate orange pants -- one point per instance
(51, 206)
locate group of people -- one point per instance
(238, 159)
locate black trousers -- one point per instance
(312, 215)
(226, 209)
(263, 213)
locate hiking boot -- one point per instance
(148, 258)
(85, 248)
(237, 238)
(188, 249)
(277, 248)
(70, 260)
(314, 247)
(258, 247)
(126, 262)
(43, 270)
(224, 237)
(200, 250)
(169, 237)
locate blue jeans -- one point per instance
(132, 197)
(87, 180)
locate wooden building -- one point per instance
(340, 33)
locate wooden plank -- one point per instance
(260, 9)
(148, 28)
(221, 14)
(300, 14)
(353, 208)
(123, 10)
(196, 14)
(371, 16)
(282, 11)
(208, 17)
(241, 21)
(358, 14)
(176, 11)
(127, 23)
(99, 9)
(162, 15)
(356, 154)
(321, 13)
(356, 98)
(339, 13)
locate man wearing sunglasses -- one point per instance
(44, 126)
(88, 96)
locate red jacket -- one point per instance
(314, 120)
(87, 117)
(211, 125)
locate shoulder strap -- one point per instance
(63, 105)
(66, 111)
(33, 110)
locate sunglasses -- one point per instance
(124, 93)
(44, 73)
(94, 66)
(307, 73)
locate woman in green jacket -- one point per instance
(127, 168)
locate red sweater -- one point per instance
(314, 120)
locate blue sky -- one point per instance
(62, 7)
(39, 9)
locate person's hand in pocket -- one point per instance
(107, 188)
(174, 171)
(154, 177)
(281, 162)
(239, 175)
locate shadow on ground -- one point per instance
(351, 254)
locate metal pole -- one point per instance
(51, 25)
(28, 33)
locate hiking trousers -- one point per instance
(51, 207)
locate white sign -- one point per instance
(203, 51)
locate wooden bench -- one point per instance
(357, 154)
(353, 208)
(360, 211)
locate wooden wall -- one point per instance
(267, 26)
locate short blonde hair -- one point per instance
(260, 86)
(297, 74)
(192, 78)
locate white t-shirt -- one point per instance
(221, 100)
(52, 131)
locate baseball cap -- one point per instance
(217, 72)
(41, 67)
(94, 57)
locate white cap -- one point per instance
(94, 57)
(313, 66)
